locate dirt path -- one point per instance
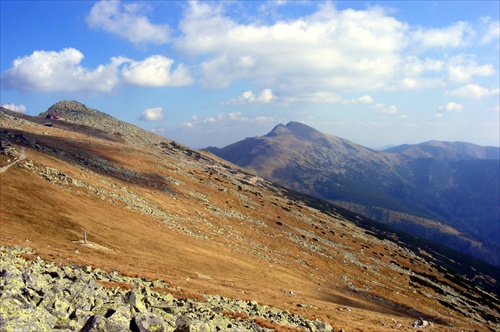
(22, 156)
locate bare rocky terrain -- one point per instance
(188, 227)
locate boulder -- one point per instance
(147, 322)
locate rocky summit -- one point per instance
(107, 227)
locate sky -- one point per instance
(210, 73)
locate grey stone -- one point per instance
(94, 323)
(145, 322)
(38, 296)
(135, 299)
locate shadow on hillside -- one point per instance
(379, 304)
(85, 155)
(468, 270)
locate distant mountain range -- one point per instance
(444, 191)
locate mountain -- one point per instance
(132, 211)
(77, 116)
(446, 192)
(446, 151)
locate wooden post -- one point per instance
(84, 237)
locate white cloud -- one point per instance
(224, 120)
(329, 49)
(152, 114)
(159, 131)
(320, 57)
(490, 31)
(60, 71)
(472, 91)
(237, 116)
(390, 110)
(455, 35)
(212, 119)
(364, 99)
(127, 21)
(378, 107)
(155, 71)
(451, 107)
(51, 71)
(263, 118)
(266, 96)
(16, 108)
(383, 108)
(461, 69)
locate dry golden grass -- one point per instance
(236, 257)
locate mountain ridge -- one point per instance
(456, 150)
(424, 180)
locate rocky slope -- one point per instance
(42, 296)
(446, 192)
(155, 210)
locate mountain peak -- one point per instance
(278, 130)
(76, 112)
(294, 128)
(68, 107)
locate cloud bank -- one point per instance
(316, 58)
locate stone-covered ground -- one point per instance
(41, 296)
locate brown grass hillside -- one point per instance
(162, 211)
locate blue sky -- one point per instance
(211, 73)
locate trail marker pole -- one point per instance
(84, 237)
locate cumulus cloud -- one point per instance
(462, 69)
(127, 21)
(318, 57)
(16, 108)
(155, 71)
(50, 71)
(334, 49)
(152, 114)
(472, 91)
(60, 71)
(451, 107)
(266, 96)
